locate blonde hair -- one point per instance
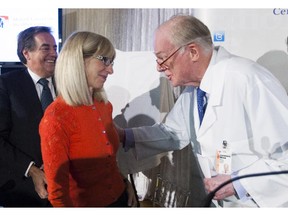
(70, 76)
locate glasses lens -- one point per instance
(106, 61)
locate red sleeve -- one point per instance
(54, 147)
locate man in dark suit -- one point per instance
(22, 179)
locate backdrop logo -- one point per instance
(3, 20)
(219, 36)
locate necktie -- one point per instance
(46, 96)
(201, 103)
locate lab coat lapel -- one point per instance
(215, 97)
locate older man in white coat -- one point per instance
(246, 109)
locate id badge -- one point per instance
(223, 159)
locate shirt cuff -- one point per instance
(240, 190)
(129, 139)
(27, 171)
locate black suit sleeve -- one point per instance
(13, 160)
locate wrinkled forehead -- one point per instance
(162, 42)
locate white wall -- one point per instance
(258, 34)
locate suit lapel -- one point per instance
(29, 92)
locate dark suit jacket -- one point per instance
(20, 114)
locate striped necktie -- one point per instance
(46, 96)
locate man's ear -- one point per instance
(194, 51)
(26, 54)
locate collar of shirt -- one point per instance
(206, 84)
(38, 86)
(36, 78)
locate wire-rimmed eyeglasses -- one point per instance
(165, 60)
(106, 61)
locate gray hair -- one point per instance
(185, 29)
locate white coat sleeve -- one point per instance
(163, 137)
(267, 111)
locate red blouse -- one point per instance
(79, 146)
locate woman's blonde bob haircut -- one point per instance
(70, 76)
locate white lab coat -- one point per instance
(248, 108)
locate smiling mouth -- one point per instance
(50, 61)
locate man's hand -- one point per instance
(212, 183)
(39, 180)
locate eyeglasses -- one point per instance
(165, 60)
(106, 61)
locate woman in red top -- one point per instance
(78, 138)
